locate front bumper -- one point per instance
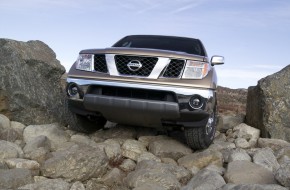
(138, 111)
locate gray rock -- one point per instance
(169, 161)
(220, 137)
(48, 184)
(245, 172)
(77, 186)
(151, 186)
(239, 154)
(35, 143)
(14, 178)
(268, 105)
(169, 148)
(77, 163)
(8, 133)
(229, 121)
(113, 177)
(283, 155)
(39, 178)
(282, 175)
(3, 165)
(242, 143)
(133, 149)
(274, 144)
(201, 159)
(32, 165)
(182, 174)
(252, 187)
(40, 155)
(10, 150)
(4, 122)
(250, 134)
(83, 139)
(220, 145)
(165, 175)
(205, 179)
(113, 150)
(30, 82)
(127, 165)
(266, 158)
(118, 132)
(147, 176)
(148, 156)
(94, 184)
(146, 140)
(18, 127)
(214, 168)
(53, 132)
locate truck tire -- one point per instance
(201, 137)
(82, 123)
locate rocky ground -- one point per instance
(53, 157)
(231, 101)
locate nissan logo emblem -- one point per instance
(134, 65)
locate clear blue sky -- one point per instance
(253, 35)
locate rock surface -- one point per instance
(77, 163)
(168, 148)
(14, 178)
(30, 89)
(116, 160)
(268, 105)
(205, 179)
(245, 172)
(283, 174)
(231, 101)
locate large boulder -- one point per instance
(268, 105)
(78, 163)
(30, 89)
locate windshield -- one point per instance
(186, 45)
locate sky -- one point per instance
(252, 35)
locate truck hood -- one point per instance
(144, 52)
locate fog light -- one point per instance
(196, 102)
(73, 90)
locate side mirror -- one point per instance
(217, 60)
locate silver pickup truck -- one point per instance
(164, 82)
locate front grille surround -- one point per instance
(148, 64)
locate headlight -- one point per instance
(195, 70)
(85, 62)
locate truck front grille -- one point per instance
(146, 65)
(174, 68)
(100, 63)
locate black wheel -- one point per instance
(84, 124)
(201, 137)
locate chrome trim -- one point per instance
(111, 65)
(159, 67)
(93, 63)
(205, 93)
